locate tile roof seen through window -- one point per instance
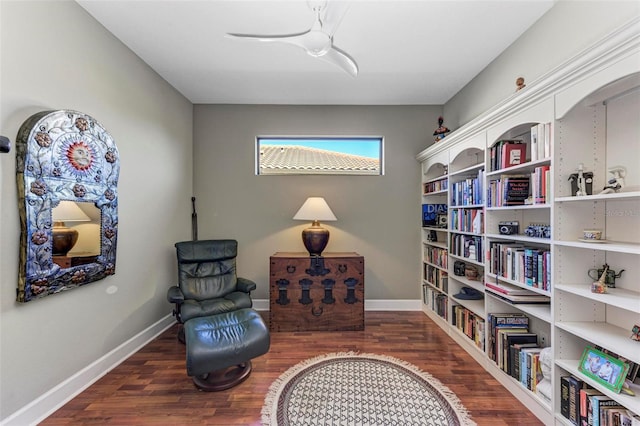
(293, 159)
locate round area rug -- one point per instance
(360, 389)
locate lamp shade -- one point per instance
(315, 208)
(68, 211)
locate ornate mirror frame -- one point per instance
(63, 155)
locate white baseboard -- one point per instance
(393, 305)
(369, 305)
(46, 404)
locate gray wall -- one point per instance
(55, 56)
(378, 216)
(564, 31)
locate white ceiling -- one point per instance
(408, 52)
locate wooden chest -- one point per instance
(316, 293)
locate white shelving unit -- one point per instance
(592, 105)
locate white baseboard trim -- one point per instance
(393, 305)
(46, 404)
(369, 305)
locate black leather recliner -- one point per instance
(207, 281)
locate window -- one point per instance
(319, 155)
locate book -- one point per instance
(535, 298)
(508, 289)
(528, 373)
(513, 154)
(597, 402)
(430, 213)
(627, 418)
(536, 370)
(564, 396)
(610, 415)
(584, 404)
(515, 190)
(542, 136)
(548, 131)
(575, 385)
(534, 142)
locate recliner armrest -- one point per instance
(174, 295)
(245, 285)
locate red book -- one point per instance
(513, 154)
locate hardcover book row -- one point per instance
(512, 152)
(436, 277)
(469, 324)
(467, 220)
(467, 246)
(530, 266)
(585, 406)
(468, 192)
(515, 349)
(435, 186)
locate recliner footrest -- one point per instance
(217, 342)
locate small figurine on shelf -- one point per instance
(581, 182)
(520, 83)
(616, 183)
(600, 286)
(441, 131)
(635, 333)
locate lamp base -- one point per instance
(315, 238)
(63, 239)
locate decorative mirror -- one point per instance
(67, 173)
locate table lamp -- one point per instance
(65, 238)
(315, 238)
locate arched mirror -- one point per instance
(67, 173)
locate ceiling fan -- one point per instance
(318, 40)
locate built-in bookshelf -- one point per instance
(435, 184)
(514, 182)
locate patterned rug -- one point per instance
(360, 389)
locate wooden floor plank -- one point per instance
(151, 387)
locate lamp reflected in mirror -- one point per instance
(65, 238)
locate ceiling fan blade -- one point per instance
(341, 59)
(333, 14)
(297, 39)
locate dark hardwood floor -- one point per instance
(151, 387)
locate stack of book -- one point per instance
(515, 295)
